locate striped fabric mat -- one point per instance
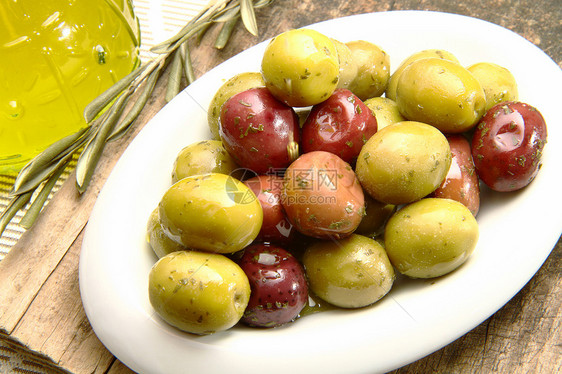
(13, 231)
(159, 20)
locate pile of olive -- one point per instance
(316, 188)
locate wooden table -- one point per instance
(40, 307)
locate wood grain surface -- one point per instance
(40, 306)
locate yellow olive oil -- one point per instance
(55, 57)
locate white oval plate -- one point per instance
(517, 231)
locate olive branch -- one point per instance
(108, 117)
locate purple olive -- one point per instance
(278, 286)
(257, 129)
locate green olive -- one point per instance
(198, 292)
(376, 215)
(211, 212)
(373, 69)
(238, 83)
(160, 243)
(441, 93)
(350, 273)
(385, 110)
(300, 67)
(498, 83)
(430, 237)
(437, 53)
(208, 156)
(403, 162)
(348, 70)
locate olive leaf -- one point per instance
(90, 156)
(249, 16)
(161, 47)
(187, 65)
(44, 173)
(228, 13)
(35, 171)
(174, 78)
(100, 102)
(108, 116)
(201, 21)
(225, 32)
(194, 30)
(202, 32)
(121, 128)
(33, 211)
(16, 204)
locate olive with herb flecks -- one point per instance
(373, 69)
(257, 130)
(348, 70)
(207, 156)
(349, 273)
(322, 196)
(210, 212)
(301, 67)
(385, 110)
(238, 83)
(278, 284)
(430, 237)
(198, 292)
(498, 83)
(341, 125)
(158, 240)
(507, 146)
(461, 183)
(403, 162)
(441, 93)
(435, 53)
(276, 227)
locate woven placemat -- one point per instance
(14, 359)
(13, 230)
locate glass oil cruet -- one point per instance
(56, 56)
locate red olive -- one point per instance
(507, 145)
(461, 183)
(322, 196)
(340, 125)
(256, 129)
(279, 290)
(275, 227)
